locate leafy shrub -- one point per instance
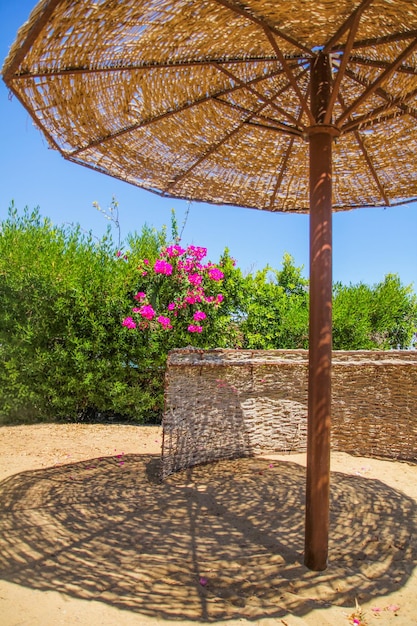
(63, 352)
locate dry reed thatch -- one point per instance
(210, 100)
(222, 404)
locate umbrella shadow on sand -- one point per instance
(213, 542)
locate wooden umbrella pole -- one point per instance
(320, 339)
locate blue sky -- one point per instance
(368, 243)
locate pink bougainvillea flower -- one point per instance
(193, 328)
(164, 321)
(163, 267)
(118, 254)
(203, 581)
(174, 251)
(197, 252)
(147, 311)
(185, 266)
(215, 274)
(128, 322)
(195, 279)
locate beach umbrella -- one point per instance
(296, 106)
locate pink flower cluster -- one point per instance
(129, 322)
(163, 267)
(196, 252)
(164, 321)
(193, 328)
(174, 251)
(195, 279)
(215, 274)
(146, 311)
(183, 267)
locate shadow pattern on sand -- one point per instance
(210, 543)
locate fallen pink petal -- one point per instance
(203, 581)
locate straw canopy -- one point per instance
(210, 100)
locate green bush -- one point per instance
(63, 352)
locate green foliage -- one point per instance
(65, 355)
(275, 308)
(63, 352)
(380, 317)
(351, 317)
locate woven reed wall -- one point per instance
(228, 403)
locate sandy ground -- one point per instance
(90, 536)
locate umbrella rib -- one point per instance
(398, 102)
(244, 12)
(289, 130)
(367, 159)
(290, 74)
(348, 24)
(285, 161)
(293, 130)
(34, 30)
(156, 118)
(374, 86)
(256, 93)
(369, 123)
(282, 172)
(406, 69)
(203, 157)
(371, 167)
(273, 124)
(354, 25)
(214, 147)
(69, 71)
(364, 121)
(378, 41)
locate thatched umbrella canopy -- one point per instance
(295, 106)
